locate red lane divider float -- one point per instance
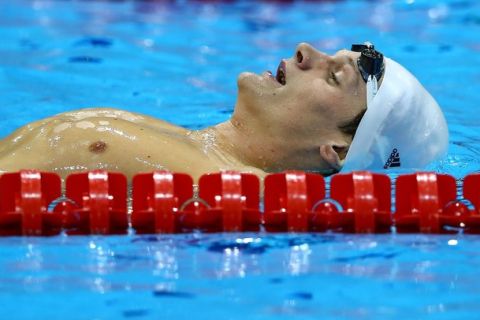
(289, 200)
(233, 201)
(420, 202)
(164, 202)
(366, 201)
(100, 200)
(24, 200)
(95, 202)
(359, 202)
(156, 201)
(471, 192)
(427, 203)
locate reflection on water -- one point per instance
(272, 274)
(191, 256)
(299, 259)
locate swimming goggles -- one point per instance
(371, 67)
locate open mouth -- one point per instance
(281, 73)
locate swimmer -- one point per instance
(319, 113)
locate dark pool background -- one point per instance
(178, 61)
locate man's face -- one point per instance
(310, 95)
(315, 85)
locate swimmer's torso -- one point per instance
(112, 140)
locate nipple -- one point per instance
(97, 147)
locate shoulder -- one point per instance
(126, 118)
(89, 113)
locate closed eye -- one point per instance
(334, 78)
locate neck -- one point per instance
(225, 145)
(238, 142)
(253, 149)
(258, 145)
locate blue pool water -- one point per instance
(240, 276)
(178, 61)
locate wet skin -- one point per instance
(291, 124)
(112, 140)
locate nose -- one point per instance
(307, 57)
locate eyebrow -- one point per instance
(351, 62)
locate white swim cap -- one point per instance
(403, 127)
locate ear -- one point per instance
(334, 155)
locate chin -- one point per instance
(250, 91)
(247, 80)
(253, 84)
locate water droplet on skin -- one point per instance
(62, 127)
(84, 125)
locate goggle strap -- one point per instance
(372, 88)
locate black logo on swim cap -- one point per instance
(394, 160)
